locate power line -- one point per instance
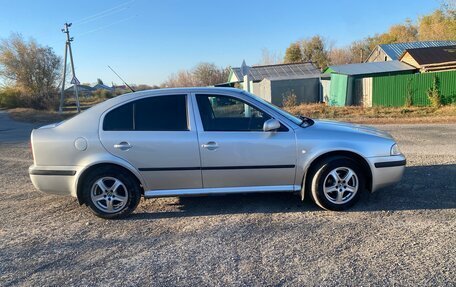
(104, 13)
(106, 26)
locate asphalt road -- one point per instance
(13, 131)
(403, 235)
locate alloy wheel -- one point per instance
(341, 185)
(109, 194)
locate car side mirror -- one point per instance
(271, 125)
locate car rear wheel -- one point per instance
(111, 193)
(337, 183)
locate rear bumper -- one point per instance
(55, 180)
(386, 170)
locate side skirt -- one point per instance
(220, 190)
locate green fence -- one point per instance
(393, 90)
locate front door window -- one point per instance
(224, 113)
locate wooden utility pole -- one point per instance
(74, 80)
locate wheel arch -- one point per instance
(83, 175)
(344, 153)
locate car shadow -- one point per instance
(422, 187)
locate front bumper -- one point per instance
(55, 180)
(386, 170)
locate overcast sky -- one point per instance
(145, 41)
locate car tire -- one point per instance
(337, 183)
(111, 193)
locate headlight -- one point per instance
(395, 150)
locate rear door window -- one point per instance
(158, 113)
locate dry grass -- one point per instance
(37, 116)
(43, 117)
(378, 115)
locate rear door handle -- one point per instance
(123, 146)
(210, 146)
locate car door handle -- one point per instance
(210, 146)
(123, 146)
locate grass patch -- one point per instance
(38, 116)
(380, 115)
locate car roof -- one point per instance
(134, 95)
(139, 94)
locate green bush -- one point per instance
(449, 99)
(434, 93)
(11, 98)
(409, 95)
(103, 94)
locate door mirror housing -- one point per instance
(271, 125)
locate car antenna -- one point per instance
(121, 79)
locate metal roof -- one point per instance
(395, 50)
(300, 77)
(371, 68)
(258, 73)
(81, 88)
(434, 55)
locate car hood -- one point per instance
(348, 127)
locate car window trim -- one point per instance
(195, 106)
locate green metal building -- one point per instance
(392, 91)
(352, 84)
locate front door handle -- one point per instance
(123, 146)
(210, 146)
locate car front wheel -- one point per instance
(337, 183)
(111, 193)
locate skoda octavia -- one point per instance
(204, 141)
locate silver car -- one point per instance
(204, 141)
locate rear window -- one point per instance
(159, 113)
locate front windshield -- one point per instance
(289, 116)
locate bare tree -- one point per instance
(270, 58)
(340, 56)
(182, 78)
(30, 67)
(204, 74)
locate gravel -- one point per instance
(403, 235)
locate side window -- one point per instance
(159, 113)
(224, 113)
(119, 119)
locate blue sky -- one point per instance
(145, 41)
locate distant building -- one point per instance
(275, 82)
(258, 73)
(83, 90)
(351, 84)
(392, 52)
(103, 87)
(431, 59)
